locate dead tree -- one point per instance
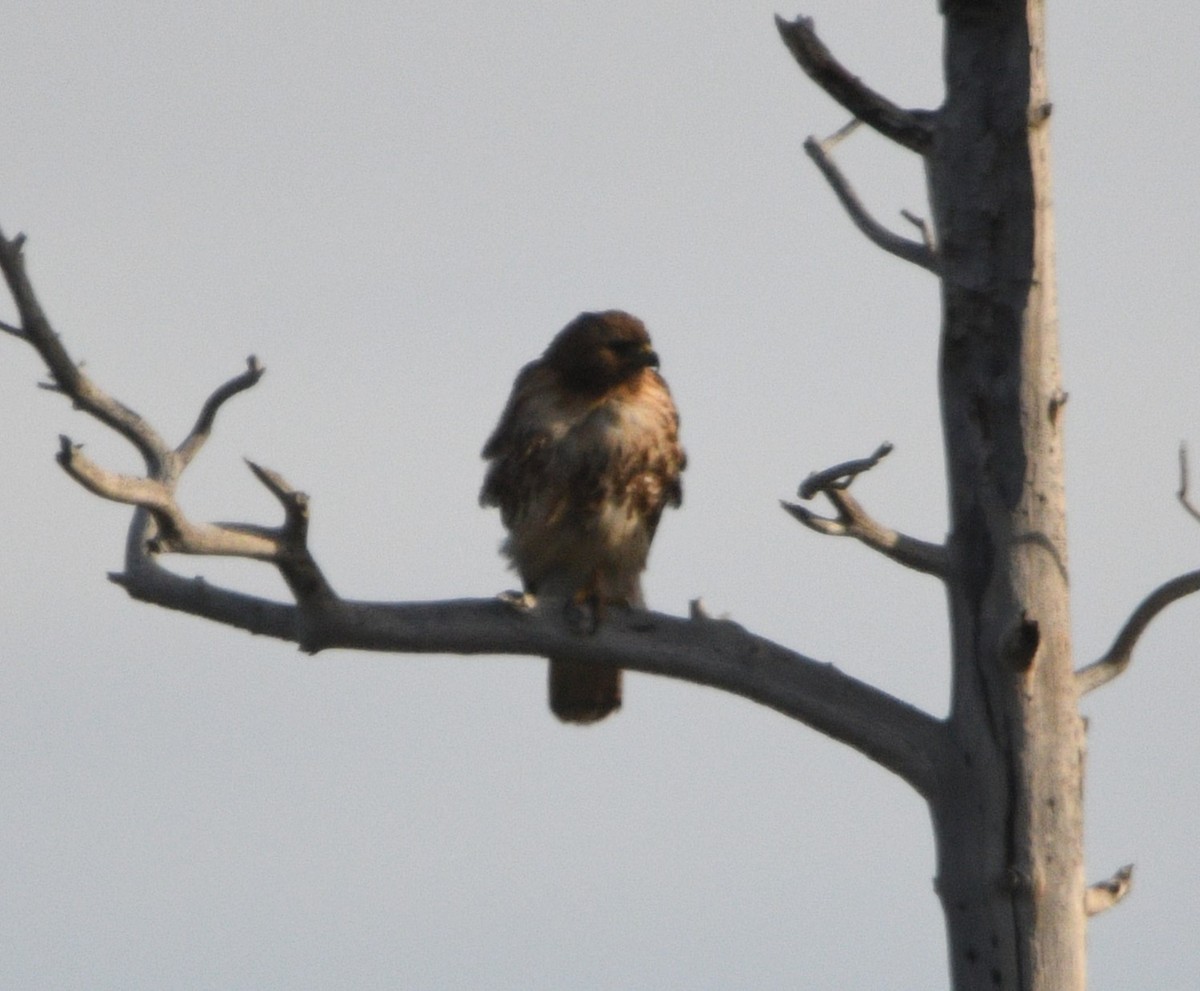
(1003, 772)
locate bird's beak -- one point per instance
(648, 358)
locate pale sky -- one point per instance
(395, 206)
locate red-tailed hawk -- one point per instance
(584, 460)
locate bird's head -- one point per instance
(597, 351)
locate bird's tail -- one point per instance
(583, 693)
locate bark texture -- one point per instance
(1007, 805)
(1011, 862)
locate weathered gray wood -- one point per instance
(1007, 810)
(1014, 712)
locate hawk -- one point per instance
(581, 465)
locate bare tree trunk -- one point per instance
(1009, 819)
(1007, 803)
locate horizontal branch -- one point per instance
(701, 650)
(919, 253)
(717, 653)
(153, 584)
(910, 128)
(1117, 658)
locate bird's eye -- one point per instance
(625, 347)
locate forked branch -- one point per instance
(854, 521)
(172, 531)
(701, 650)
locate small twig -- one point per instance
(296, 563)
(1117, 658)
(909, 128)
(854, 521)
(1184, 500)
(294, 502)
(926, 229)
(1102, 896)
(902, 247)
(841, 134)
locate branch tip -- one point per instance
(275, 482)
(208, 413)
(923, 225)
(1102, 896)
(841, 475)
(815, 522)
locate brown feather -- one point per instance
(581, 465)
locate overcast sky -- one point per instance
(395, 206)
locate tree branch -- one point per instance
(840, 476)
(703, 651)
(853, 521)
(1104, 895)
(918, 252)
(64, 372)
(910, 128)
(285, 547)
(1117, 658)
(208, 413)
(718, 653)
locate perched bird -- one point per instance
(582, 463)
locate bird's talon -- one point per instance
(519, 601)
